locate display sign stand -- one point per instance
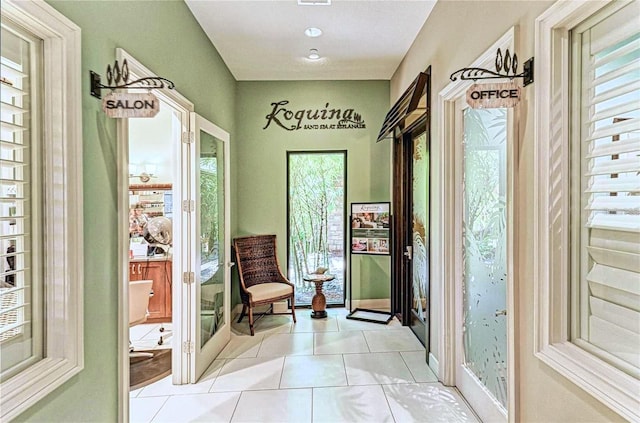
(370, 229)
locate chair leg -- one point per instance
(293, 308)
(251, 320)
(244, 309)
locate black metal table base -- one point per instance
(319, 314)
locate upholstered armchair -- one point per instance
(261, 280)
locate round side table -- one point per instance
(319, 302)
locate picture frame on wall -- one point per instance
(370, 228)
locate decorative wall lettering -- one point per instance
(313, 119)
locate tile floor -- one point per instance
(146, 336)
(331, 370)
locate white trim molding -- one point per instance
(63, 211)
(552, 252)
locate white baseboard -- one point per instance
(377, 304)
(434, 365)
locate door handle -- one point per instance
(139, 269)
(231, 264)
(501, 313)
(409, 252)
(133, 269)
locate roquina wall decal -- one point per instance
(313, 119)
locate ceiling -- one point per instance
(265, 41)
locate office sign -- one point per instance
(130, 105)
(493, 96)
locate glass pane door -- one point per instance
(209, 296)
(316, 210)
(485, 248)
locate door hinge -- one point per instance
(188, 277)
(188, 206)
(188, 347)
(188, 137)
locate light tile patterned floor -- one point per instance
(332, 370)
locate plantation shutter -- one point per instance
(15, 157)
(610, 135)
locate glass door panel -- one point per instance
(209, 293)
(419, 236)
(485, 248)
(212, 252)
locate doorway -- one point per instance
(153, 145)
(316, 204)
(197, 270)
(410, 289)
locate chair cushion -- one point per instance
(264, 291)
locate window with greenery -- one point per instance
(316, 207)
(587, 213)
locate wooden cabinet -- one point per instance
(159, 271)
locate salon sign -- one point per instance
(493, 96)
(130, 105)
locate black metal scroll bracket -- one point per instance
(120, 77)
(507, 62)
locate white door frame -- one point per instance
(179, 369)
(446, 268)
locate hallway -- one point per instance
(329, 370)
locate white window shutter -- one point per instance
(610, 134)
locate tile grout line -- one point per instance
(408, 367)
(284, 360)
(158, 410)
(235, 408)
(344, 366)
(388, 404)
(365, 341)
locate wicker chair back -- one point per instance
(257, 260)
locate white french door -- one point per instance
(206, 246)
(483, 218)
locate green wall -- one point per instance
(261, 159)
(166, 38)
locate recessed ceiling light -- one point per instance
(313, 32)
(313, 54)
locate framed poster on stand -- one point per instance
(370, 225)
(370, 230)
